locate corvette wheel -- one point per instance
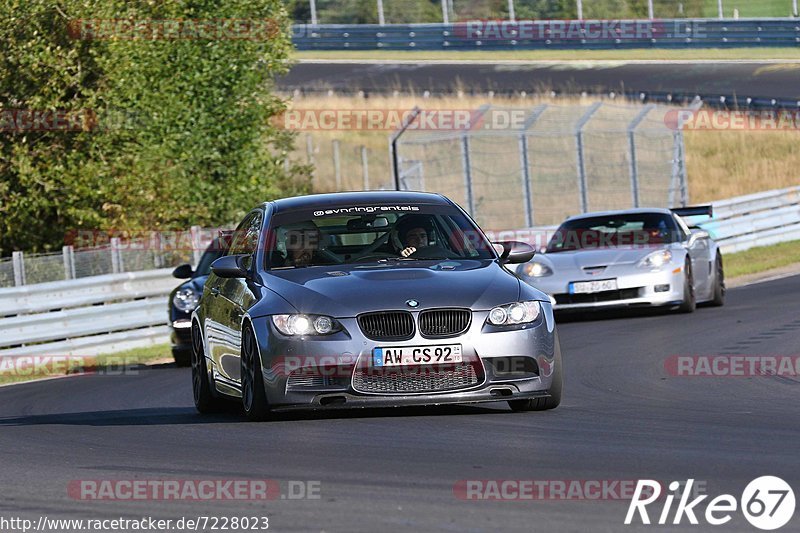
(204, 399)
(554, 398)
(719, 283)
(689, 300)
(254, 397)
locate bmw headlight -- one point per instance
(656, 259)
(516, 313)
(305, 324)
(186, 299)
(536, 270)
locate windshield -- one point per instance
(384, 234)
(212, 253)
(632, 229)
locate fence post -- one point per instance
(525, 164)
(467, 167)
(582, 185)
(196, 244)
(67, 254)
(116, 258)
(394, 157)
(682, 170)
(309, 149)
(678, 183)
(313, 12)
(337, 165)
(381, 18)
(365, 167)
(634, 170)
(511, 14)
(18, 262)
(445, 14)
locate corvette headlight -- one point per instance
(536, 270)
(305, 324)
(516, 313)
(186, 299)
(656, 259)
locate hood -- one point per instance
(580, 259)
(348, 290)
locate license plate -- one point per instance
(416, 355)
(587, 287)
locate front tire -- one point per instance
(202, 388)
(554, 399)
(254, 396)
(689, 299)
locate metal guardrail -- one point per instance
(114, 312)
(755, 220)
(508, 35)
(86, 316)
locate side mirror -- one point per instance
(183, 271)
(230, 266)
(516, 252)
(696, 235)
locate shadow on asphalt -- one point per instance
(232, 414)
(563, 317)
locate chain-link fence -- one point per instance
(156, 250)
(515, 168)
(340, 165)
(427, 11)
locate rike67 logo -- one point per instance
(767, 503)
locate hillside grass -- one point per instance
(720, 164)
(749, 8)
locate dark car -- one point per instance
(370, 299)
(184, 299)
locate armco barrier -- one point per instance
(756, 220)
(86, 316)
(108, 313)
(564, 35)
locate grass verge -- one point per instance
(762, 259)
(125, 362)
(648, 54)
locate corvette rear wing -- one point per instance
(694, 211)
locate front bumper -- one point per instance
(515, 364)
(636, 288)
(180, 337)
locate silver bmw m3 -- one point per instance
(637, 257)
(370, 299)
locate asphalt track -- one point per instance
(741, 79)
(623, 418)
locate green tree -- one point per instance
(181, 130)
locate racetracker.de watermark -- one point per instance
(576, 30)
(63, 120)
(722, 120)
(192, 489)
(389, 119)
(544, 489)
(40, 366)
(732, 366)
(212, 29)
